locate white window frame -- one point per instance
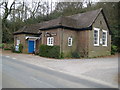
(17, 42)
(70, 40)
(50, 41)
(98, 43)
(106, 37)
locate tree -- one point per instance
(69, 8)
(7, 12)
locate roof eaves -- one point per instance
(106, 22)
(71, 28)
(26, 33)
(95, 17)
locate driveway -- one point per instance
(100, 70)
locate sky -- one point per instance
(29, 1)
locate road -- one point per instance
(18, 74)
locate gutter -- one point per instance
(66, 27)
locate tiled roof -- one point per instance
(29, 29)
(77, 21)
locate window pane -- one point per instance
(69, 41)
(51, 41)
(95, 42)
(104, 38)
(95, 36)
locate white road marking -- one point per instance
(10, 57)
(41, 81)
(7, 56)
(13, 58)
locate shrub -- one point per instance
(1, 45)
(7, 46)
(43, 50)
(49, 51)
(62, 55)
(13, 48)
(20, 49)
(113, 49)
(75, 55)
(7, 49)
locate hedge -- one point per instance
(114, 49)
(49, 51)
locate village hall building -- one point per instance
(86, 33)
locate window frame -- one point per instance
(71, 41)
(17, 42)
(105, 31)
(50, 41)
(98, 30)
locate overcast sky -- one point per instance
(29, 1)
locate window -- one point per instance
(18, 42)
(104, 38)
(69, 41)
(50, 41)
(96, 36)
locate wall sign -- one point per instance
(48, 34)
(53, 34)
(100, 40)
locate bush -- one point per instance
(49, 51)
(113, 49)
(13, 48)
(1, 45)
(20, 49)
(7, 46)
(75, 55)
(7, 49)
(62, 55)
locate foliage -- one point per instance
(42, 11)
(69, 8)
(2, 45)
(114, 49)
(62, 55)
(75, 55)
(7, 49)
(49, 51)
(7, 46)
(20, 49)
(13, 48)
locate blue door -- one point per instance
(31, 46)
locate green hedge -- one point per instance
(49, 51)
(114, 49)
